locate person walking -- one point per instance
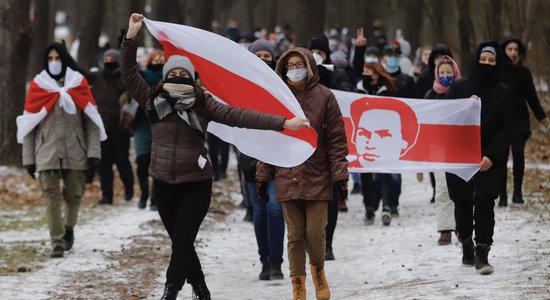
(519, 80)
(179, 111)
(305, 190)
(475, 199)
(60, 132)
(446, 72)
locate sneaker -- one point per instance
(356, 188)
(386, 218)
(329, 255)
(369, 217)
(57, 252)
(342, 206)
(445, 238)
(69, 238)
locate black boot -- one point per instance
(275, 269)
(481, 260)
(142, 202)
(356, 188)
(329, 255)
(264, 275)
(57, 252)
(69, 238)
(249, 217)
(170, 292)
(467, 251)
(200, 291)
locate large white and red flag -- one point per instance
(44, 93)
(395, 135)
(236, 77)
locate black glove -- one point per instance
(93, 164)
(31, 169)
(341, 191)
(261, 189)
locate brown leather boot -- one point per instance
(322, 292)
(298, 287)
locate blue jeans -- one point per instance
(269, 223)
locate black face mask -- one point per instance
(486, 69)
(271, 64)
(155, 67)
(180, 80)
(111, 66)
(367, 80)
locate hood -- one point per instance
(521, 48)
(475, 76)
(438, 49)
(66, 60)
(312, 72)
(456, 70)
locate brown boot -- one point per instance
(322, 292)
(298, 287)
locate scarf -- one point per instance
(44, 93)
(437, 86)
(178, 98)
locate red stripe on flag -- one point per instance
(240, 92)
(38, 97)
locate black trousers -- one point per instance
(332, 214)
(475, 214)
(115, 150)
(518, 158)
(367, 190)
(182, 208)
(380, 186)
(143, 161)
(219, 154)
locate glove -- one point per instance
(93, 164)
(31, 169)
(341, 190)
(261, 189)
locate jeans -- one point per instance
(269, 223)
(384, 186)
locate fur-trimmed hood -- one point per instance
(312, 72)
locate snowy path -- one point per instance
(401, 261)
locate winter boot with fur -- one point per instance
(467, 251)
(322, 292)
(298, 287)
(481, 260)
(170, 292)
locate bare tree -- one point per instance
(199, 13)
(466, 31)
(91, 17)
(15, 37)
(310, 20)
(42, 16)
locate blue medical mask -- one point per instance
(446, 81)
(392, 64)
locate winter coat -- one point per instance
(177, 150)
(404, 84)
(337, 79)
(107, 89)
(426, 79)
(496, 129)
(62, 141)
(313, 179)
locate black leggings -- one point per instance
(182, 208)
(332, 218)
(518, 157)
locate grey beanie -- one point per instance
(178, 62)
(264, 45)
(114, 53)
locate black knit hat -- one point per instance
(319, 42)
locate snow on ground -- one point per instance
(402, 261)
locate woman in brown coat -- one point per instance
(179, 112)
(305, 190)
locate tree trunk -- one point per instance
(42, 34)
(309, 20)
(16, 41)
(91, 18)
(413, 23)
(494, 14)
(465, 29)
(199, 13)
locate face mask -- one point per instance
(271, 64)
(155, 67)
(486, 69)
(392, 64)
(371, 59)
(55, 67)
(245, 45)
(296, 75)
(110, 66)
(180, 80)
(318, 58)
(367, 80)
(446, 81)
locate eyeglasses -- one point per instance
(297, 65)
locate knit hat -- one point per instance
(262, 45)
(319, 42)
(114, 53)
(178, 62)
(489, 49)
(372, 50)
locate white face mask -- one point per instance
(296, 75)
(55, 67)
(318, 58)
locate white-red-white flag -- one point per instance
(396, 135)
(236, 77)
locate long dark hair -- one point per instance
(384, 77)
(66, 61)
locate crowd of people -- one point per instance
(166, 110)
